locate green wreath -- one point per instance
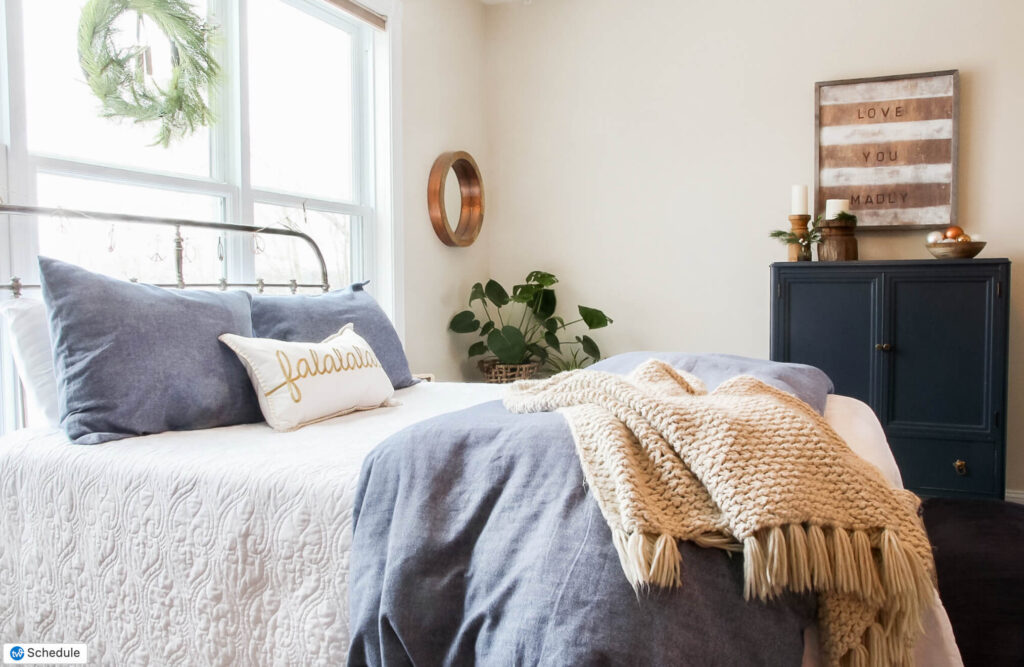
(118, 76)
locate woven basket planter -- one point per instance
(498, 373)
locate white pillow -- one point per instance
(302, 383)
(29, 333)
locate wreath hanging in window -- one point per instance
(122, 77)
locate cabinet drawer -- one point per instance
(929, 467)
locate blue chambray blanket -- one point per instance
(475, 541)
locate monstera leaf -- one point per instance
(594, 318)
(464, 322)
(477, 349)
(543, 304)
(524, 293)
(508, 345)
(476, 293)
(538, 351)
(589, 347)
(542, 278)
(496, 293)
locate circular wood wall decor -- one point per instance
(471, 187)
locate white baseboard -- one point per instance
(1015, 496)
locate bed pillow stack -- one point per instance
(132, 359)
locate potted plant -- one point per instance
(521, 331)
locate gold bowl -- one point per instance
(955, 250)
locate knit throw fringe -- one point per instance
(667, 461)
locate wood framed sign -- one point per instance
(889, 145)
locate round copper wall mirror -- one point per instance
(455, 198)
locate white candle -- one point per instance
(833, 207)
(799, 205)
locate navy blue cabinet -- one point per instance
(924, 343)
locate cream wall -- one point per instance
(642, 150)
(442, 84)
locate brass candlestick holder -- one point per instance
(798, 225)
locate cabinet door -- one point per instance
(830, 319)
(949, 467)
(940, 327)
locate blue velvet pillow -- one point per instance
(134, 359)
(310, 319)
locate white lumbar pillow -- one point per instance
(302, 383)
(29, 332)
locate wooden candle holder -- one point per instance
(838, 244)
(798, 225)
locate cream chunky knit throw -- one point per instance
(748, 468)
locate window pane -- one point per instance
(127, 250)
(300, 102)
(279, 260)
(63, 114)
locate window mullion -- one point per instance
(364, 234)
(241, 262)
(63, 167)
(297, 201)
(21, 240)
(24, 239)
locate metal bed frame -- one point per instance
(16, 285)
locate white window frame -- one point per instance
(373, 209)
(229, 152)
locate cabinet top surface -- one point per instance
(891, 262)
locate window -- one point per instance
(296, 143)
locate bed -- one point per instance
(233, 545)
(230, 546)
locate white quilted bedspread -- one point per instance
(221, 547)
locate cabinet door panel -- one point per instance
(929, 467)
(940, 363)
(830, 321)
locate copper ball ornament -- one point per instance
(953, 232)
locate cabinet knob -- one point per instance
(883, 347)
(960, 466)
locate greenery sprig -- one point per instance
(118, 76)
(812, 236)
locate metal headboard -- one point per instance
(16, 286)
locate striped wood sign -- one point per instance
(889, 145)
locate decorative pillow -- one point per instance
(302, 383)
(33, 355)
(309, 319)
(136, 359)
